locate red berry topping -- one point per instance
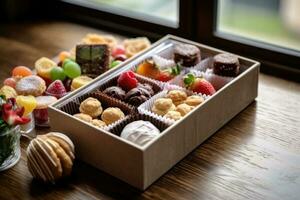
(199, 85)
(127, 81)
(56, 89)
(164, 76)
(119, 50)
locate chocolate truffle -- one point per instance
(226, 64)
(139, 95)
(140, 132)
(115, 92)
(93, 58)
(187, 55)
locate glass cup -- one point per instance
(10, 152)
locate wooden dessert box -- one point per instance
(141, 166)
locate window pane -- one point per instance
(272, 21)
(165, 12)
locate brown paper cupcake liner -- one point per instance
(72, 107)
(146, 108)
(117, 128)
(113, 82)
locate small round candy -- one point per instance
(21, 71)
(115, 63)
(57, 73)
(66, 61)
(63, 55)
(10, 82)
(72, 69)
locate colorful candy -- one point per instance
(57, 73)
(63, 55)
(72, 69)
(10, 82)
(21, 71)
(28, 102)
(44, 66)
(56, 89)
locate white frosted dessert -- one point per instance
(140, 132)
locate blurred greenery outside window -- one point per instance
(275, 22)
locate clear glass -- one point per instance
(27, 129)
(275, 22)
(165, 12)
(10, 148)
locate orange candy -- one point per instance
(148, 69)
(63, 55)
(21, 71)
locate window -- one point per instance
(166, 11)
(265, 30)
(150, 17)
(275, 22)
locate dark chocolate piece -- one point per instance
(93, 59)
(115, 92)
(187, 55)
(226, 64)
(139, 95)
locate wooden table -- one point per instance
(255, 156)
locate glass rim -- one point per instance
(10, 130)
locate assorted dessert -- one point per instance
(176, 104)
(91, 57)
(130, 90)
(140, 132)
(164, 104)
(91, 111)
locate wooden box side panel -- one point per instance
(100, 149)
(182, 138)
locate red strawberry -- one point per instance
(199, 85)
(164, 76)
(127, 81)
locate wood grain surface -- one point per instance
(255, 156)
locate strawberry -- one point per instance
(164, 76)
(168, 74)
(199, 85)
(13, 117)
(119, 50)
(127, 81)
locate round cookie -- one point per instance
(194, 100)
(98, 123)
(177, 96)
(91, 107)
(50, 156)
(172, 114)
(163, 105)
(83, 117)
(111, 115)
(31, 85)
(184, 109)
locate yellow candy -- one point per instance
(8, 92)
(28, 102)
(80, 81)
